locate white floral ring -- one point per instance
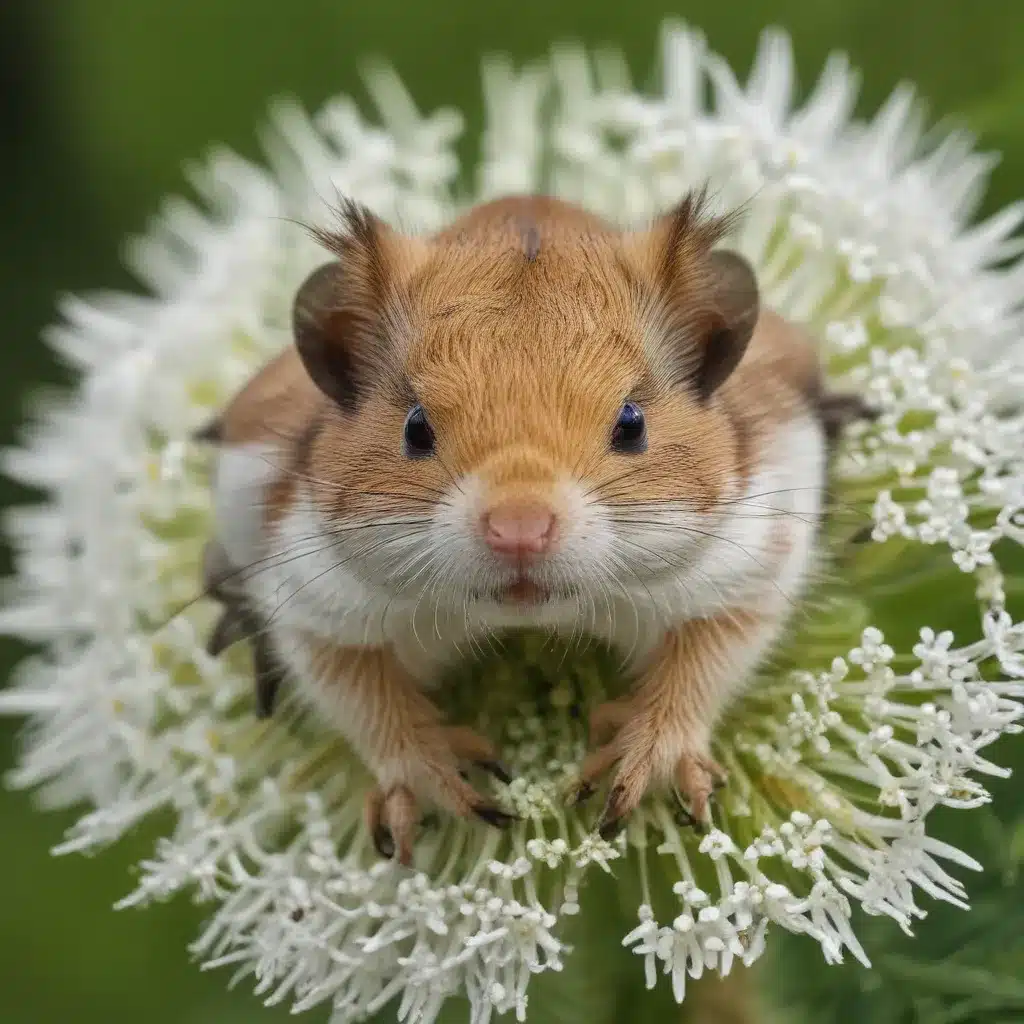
(839, 753)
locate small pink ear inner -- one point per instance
(520, 529)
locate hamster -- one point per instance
(530, 419)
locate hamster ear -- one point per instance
(736, 308)
(323, 330)
(339, 313)
(711, 294)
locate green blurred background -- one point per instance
(101, 102)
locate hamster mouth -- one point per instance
(523, 591)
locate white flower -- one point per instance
(835, 763)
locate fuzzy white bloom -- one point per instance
(837, 756)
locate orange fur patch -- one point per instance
(522, 329)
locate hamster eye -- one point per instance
(419, 436)
(630, 433)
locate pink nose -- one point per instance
(520, 530)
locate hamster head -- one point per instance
(527, 406)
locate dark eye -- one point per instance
(419, 437)
(630, 433)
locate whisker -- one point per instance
(669, 504)
(329, 538)
(769, 575)
(262, 564)
(627, 656)
(807, 519)
(334, 568)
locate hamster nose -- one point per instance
(521, 530)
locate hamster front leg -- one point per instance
(661, 732)
(400, 734)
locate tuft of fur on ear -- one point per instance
(342, 310)
(711, 295)
(685, 235)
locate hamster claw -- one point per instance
(698, 778)
(683, 818)
(384, 842)
(433, 767)
(628, 756)
(495, 816)
(497, 769)
(468, 745)
(391, 819)
(583, 792)
(613, 817)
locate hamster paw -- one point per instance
(637, 750)
(393, 811)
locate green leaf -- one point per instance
(955, 979)
(598, 972)
(1015, 850)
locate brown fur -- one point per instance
(534, 320)
(664, 726)
(571, 330)
(277, 407)
(403, 724)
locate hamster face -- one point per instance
(526, 409)
(547, 413)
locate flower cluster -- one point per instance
(839, 752)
